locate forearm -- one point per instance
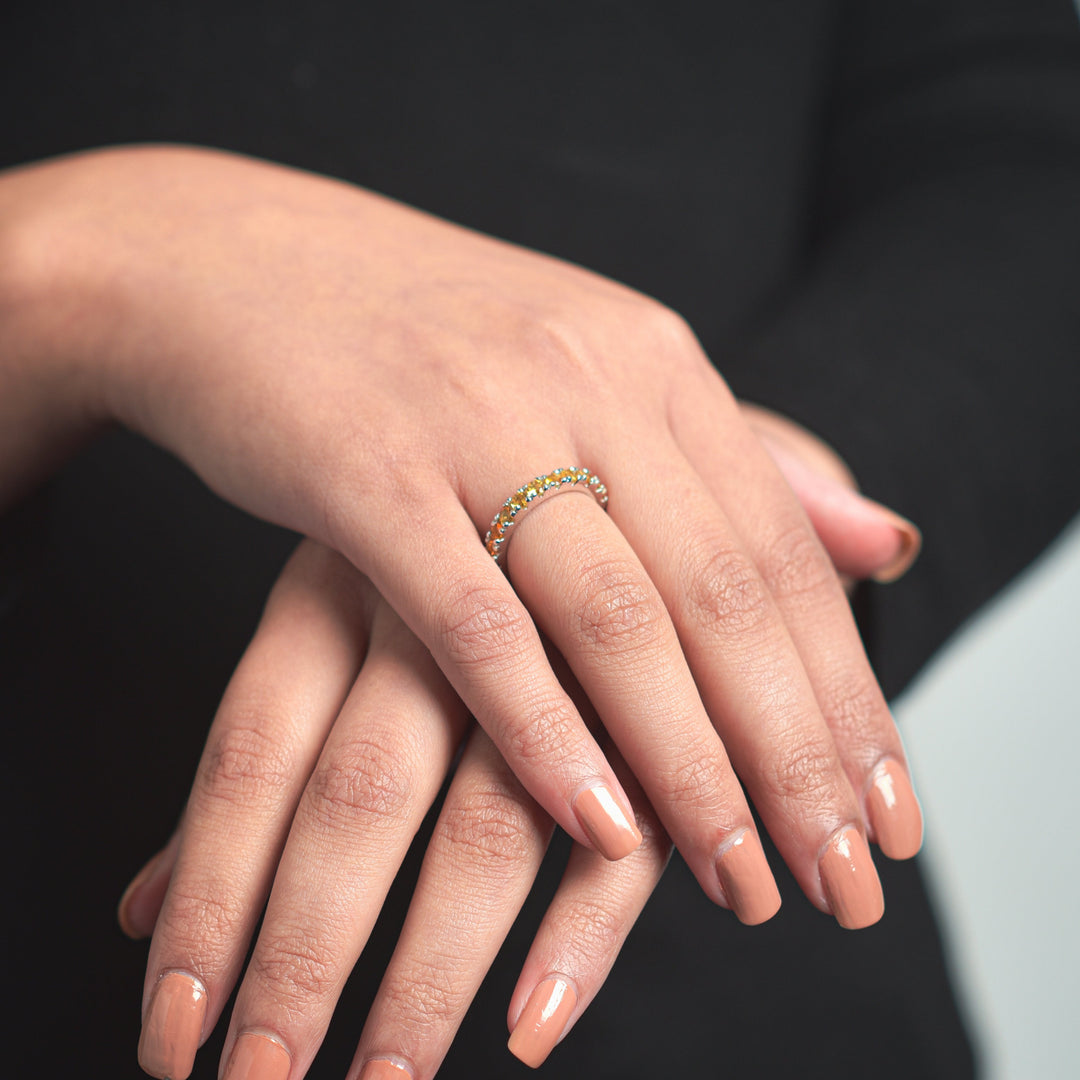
(49, 402)
(108, 291)
(74, 279)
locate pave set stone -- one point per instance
(526, 496)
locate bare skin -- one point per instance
(323, 617)
(380, 381)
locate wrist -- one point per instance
(52, 323)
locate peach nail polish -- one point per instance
(173, 1027)
(850, 880)
(128, 912)
(894, 811)
(542, 1021)
(258, 1057)
(910, 546)
(601, 815)
(746, 878)
(384, 1069)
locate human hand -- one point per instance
(332, 741)
(381, 381)
(381, 761)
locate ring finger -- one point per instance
(479, 868)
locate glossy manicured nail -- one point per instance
(850, 880)
(614, 833)
(909, 544)
(746, 878)
(384, 1069)
(542, 1021)
(258, 1057)
(894, 811)
(129, 912)
(173, 1027)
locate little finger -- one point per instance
(579, 939)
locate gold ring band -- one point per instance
(513, 510)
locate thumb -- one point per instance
(863, 538)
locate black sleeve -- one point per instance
(935, 337)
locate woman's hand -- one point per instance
(382, 381)
(332, 741)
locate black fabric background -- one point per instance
(870, 215)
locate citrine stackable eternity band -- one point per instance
(526, 497)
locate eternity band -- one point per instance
(513, 510)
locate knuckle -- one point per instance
(580, 350)
(725, 593)
(482, 626)
(853, 707)
(197, 923)
(562, 344)
(796, 566)
(244, 766)
(617, 609)
(698, 782)
(803, 773)
(363, 783)
(662, 333)
(543, 734)
(665, 329)
(296, 966)
(490, 826)
(591, 933)
(422, 995)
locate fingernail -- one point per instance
(136, 922)
(601, 815)
(384, 1069)
(894, 811)
(138, 909)
(850, 880)
(909, 544)
(746, 878)
(542, 1021)
(258, 1057)
(173, 1026)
